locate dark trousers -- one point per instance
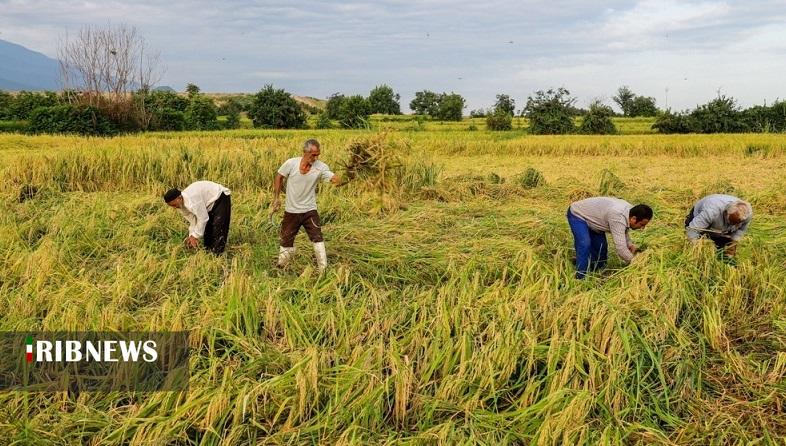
(291, 224)
(592, 249)
(719, 240)
(217, 228)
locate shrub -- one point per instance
(201, 113)
(478, 113)
(598, 121)
(14, 126)
(384, 100)
(334, 105)
(505, 103)
(450, 107)
(500, 120)
(721, 115)
(669, 122)
(5, 105)
(168, 119)
(323, 121)
(23, 104)
(425, 103)
(550, 112)
(354, 112)
(79, 119)
(275, 108)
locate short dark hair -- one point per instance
(171, 194)
(641, 212)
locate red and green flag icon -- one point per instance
(29, 342)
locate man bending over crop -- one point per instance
(206, 206)
(589, 221)
(721, 218)
(303, 174)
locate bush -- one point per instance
(450, 107)
(276, 109)
(201, 113)
(233, 119)
(500, 120)
(478, 113)
(23, 104)
(668, 122)
(79, 119)
(354, 112)
(384, 100)
(598, 121)
(550, 112)
(14, 126)
(334, 105)
(505, 103)
(721, 115)
(168, 119)
(5, 105)
(425, 103)
(323, 121)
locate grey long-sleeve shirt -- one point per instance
(607, 214)
(710, 213)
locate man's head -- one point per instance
(738, 211)
(173, 198)
(639, 216)
(311, 150)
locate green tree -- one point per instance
(550, 112)
(323, 121)
(643, 106)
(201, 113)
(624, 99)
(597, 120)
(275, 108)
(505, 103)
(450, 107)
(5, 105)
(500, 120)
(425, 103)
(721, 115)
(192, 90)
(334, 105)
(354, 112)
(382, 99)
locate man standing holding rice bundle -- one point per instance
(721, 218)
(302, 175)
(592, 218)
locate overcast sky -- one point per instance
(475, 48)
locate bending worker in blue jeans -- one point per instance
(592, 218)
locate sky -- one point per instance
(682, 53)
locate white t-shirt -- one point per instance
(302, 189)
(198, 199)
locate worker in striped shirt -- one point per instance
(592, 218)
(721, 218)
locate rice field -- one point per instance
(449, 314)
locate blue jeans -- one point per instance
(591, 246)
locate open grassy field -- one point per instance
(449, 314)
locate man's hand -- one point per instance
(275, 206)
(730, 250)
(191, 242)
(632, 248)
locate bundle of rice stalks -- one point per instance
(531, 178)
(374, 160)
(375, 163)
(610, 184)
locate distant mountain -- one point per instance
(24, 69)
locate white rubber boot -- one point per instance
(319, 251)
(285, 255)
